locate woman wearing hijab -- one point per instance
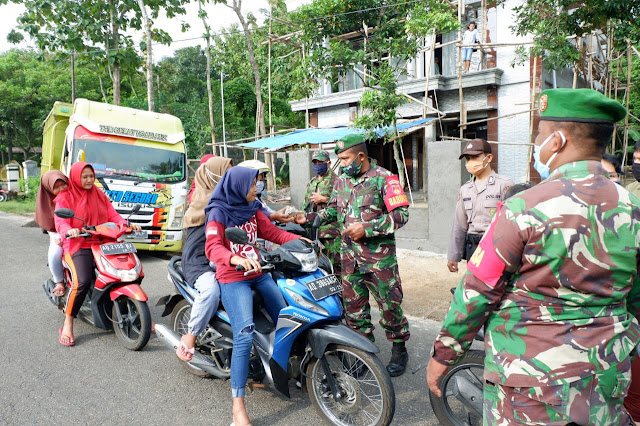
(51, 184)
(233, 204)
(195, 264)
(89, 203)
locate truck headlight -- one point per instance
(177, 216)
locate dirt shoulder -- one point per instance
(426, 282)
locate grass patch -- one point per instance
(21, 207)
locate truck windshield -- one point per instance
(132, 162)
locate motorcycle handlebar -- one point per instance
(82, 234)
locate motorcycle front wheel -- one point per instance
(135, 320)
(462, 390)
(367, 398)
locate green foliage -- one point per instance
(32, 183)
(556, 20)
(20, 206)
(378, 31)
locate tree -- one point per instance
(74, 26)
(558, 21)
(29, 85)
(373, 39)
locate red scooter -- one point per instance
(116, 299)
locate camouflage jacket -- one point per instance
(324, 185)
(362, 200)
(554, 279)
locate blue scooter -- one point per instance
(347, 383)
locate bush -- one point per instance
(33, 183)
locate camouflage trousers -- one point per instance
(593, 400)
(387, 291)
(332, 251)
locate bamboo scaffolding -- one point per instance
(496, 118)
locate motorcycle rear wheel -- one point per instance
(136, 317)
(448, 409)
(369, 395)
(179, 324)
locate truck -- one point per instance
(139, 157)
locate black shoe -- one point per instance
(399, 358)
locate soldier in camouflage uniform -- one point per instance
(318, 194)
(369, 204)
(554, 281)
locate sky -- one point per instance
(219, 16)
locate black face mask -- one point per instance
(635, 169)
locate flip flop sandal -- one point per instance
(182, 352)
(58, 287)
(71, 341)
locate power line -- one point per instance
(256, 29)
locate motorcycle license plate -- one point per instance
(324, 287)
(118, 248)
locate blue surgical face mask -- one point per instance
(320, 168)
(543, 169)
(260, 186)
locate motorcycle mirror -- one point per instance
(136, 208)
(64, 213)
(236, 235)
(316, 222)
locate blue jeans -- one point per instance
(206, 302)
(238, 302)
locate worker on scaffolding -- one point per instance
(477, 202)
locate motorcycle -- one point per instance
(344, 378)
(116, 288)
(462, 390)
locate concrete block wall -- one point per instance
(300, 173)
(515, 129)
(474, 98)
(334, 116)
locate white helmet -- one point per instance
(256, 165)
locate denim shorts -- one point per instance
(466, 53)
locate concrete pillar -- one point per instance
(13, 176)
(300, 173)
(443, 183)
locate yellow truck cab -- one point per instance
(139, 158)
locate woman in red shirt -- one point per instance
(233, 204)
(91, 204)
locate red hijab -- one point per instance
(88, 204)
(44, 200)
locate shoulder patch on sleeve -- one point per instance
(395, 194)
(485, 263)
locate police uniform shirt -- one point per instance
(477, 203)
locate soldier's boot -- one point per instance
(399, 358)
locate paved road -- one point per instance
(100, 382)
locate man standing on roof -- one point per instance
(369, 204)
(477, 202)
(554, 282)
(318, 194)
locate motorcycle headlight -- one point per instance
(124, 275)
(306, 303)
(308, 261)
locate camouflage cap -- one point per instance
(475, 147)
(348, 141)
(320, 156)
(580, 105)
